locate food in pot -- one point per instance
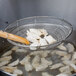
(36, 61)
(7, 53)
(46, 74)
(65, 69)
(44, 64)
(15, 63)
(25, 60)
(4, 63)
(61, 53)
(21, 50)
(66, 57)
(7, 58)
(18, 72)
(74, 56)
(39, 37)
(62, 74)
(15, 48)
(70, 47)
(55, 66)
(62, 47)
(62, 61)
(41, 53)
(26, 63)
(8, 69)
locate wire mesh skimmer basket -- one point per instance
(58, 28)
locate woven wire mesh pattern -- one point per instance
(58, 28)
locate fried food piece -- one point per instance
(21, 50)
(74, 56)
(45, 53)
(25, 60)
(44, 64)
(7, 53)
(62, 47)
(28, 67)
(3, 63)
(34, 45)
(15, 48)
(15, 63)
(44, 61)
(61, 53)
(50, 39)
(46, 74)
(66, 57)
(36, 61)
(43, 31)
(8, 69)
(41, 53)
(18, 72)
(43, 42)
(62, 74)
(26, 63)
(55, 66)
(8, 58)
(71, 64)
(70, 47)
(64, 69)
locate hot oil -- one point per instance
(55, 58)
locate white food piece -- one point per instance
(53, 52)
(36, 31)
(50, 39)
(41, 53)
(45, 53)
(43, 42)
(18, 72)
(66, 57)
(14, 75)
(43, 31)
(35, 61)
(55, 66)
(62, 74)
(70, 47)
(74, 56)
(36, 53)
(64, 69)
(21, 50)
(31, 39)
(28, 67)
(15, 48)
(43, 47)
(34, 45)
(71, 64)
(8, 58)
(62, 47)
(25, 60)
(15, 63)
(4, 63)
(44, 64)
(26, 63)
(41, 67)
(44, 61)
(61, 53)
(8, 69)
(46, 74)
(32, 36)
(7, 53)
(67, 62)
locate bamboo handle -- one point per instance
(14, 37)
